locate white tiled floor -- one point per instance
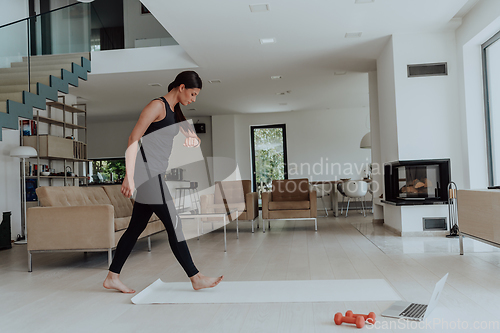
(64, 292)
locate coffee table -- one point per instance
(224, 216)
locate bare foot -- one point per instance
(113, 282)
(201, 281)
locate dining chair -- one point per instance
(355, 189)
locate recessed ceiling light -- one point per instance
(284, 92)
(276, 77)
(192, 109)
(155, 85)
(214, 81)
(267, 40)
(283, 103)
(339, 73)
(364, 1)
(353, 34)
(259, 8)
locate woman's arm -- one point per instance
(150, 113)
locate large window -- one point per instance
(491, 63)
(107, 171)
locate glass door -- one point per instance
(269, 157)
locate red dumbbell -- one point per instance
(370, 317)
(340, 319)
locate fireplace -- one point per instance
(417, 182)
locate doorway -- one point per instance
(269, 156)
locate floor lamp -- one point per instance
(23, 152)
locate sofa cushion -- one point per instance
(289, 214)
(121, 223)
(60, 196)
(95, 195)
(220, 208)
(122, 204)
(290, 190)
(293, 205)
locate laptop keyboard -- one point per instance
(414, 311)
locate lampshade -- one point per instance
(366, 142)
(23, 151)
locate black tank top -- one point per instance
(157, 141)
(167, 121)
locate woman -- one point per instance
(157, 126)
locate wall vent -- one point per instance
(434, 223)
(428, 69)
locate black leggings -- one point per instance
(141, 214)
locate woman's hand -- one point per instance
(128, 187)
(192, 141)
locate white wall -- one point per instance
(10, 179)
(427, 119)
(14, 37)
(482, 22)
(316, 140)
(223, 141)
(418, 116)
(387, 104)
(140, 60)
(377, 176)
(139, 25)
(14, 47)
(108, 138)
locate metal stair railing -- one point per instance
(36, 63)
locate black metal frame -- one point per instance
(252, 138)
(391, 182)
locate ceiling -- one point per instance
(222, 37)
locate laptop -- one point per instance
(414, 311)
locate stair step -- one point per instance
(51, 59)
(59, 56)
(17, 88)
(45, 79)
(35, 69)
(17, 96)
(77, 61)
(46, 62)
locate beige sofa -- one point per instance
(239, 196)
(289, 199)
(87, 219)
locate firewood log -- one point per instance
(411, 189)
(419, 185)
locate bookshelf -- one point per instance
(60, 137)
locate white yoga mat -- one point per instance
(269, 292)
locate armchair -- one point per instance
(290, 199)
(238, 195)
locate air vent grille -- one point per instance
(428, 69)
(438, 223)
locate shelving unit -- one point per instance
(52, 148)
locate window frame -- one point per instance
(489, 148)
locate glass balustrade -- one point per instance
(37, 47)
(14, 65)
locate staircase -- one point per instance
(49, 74)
